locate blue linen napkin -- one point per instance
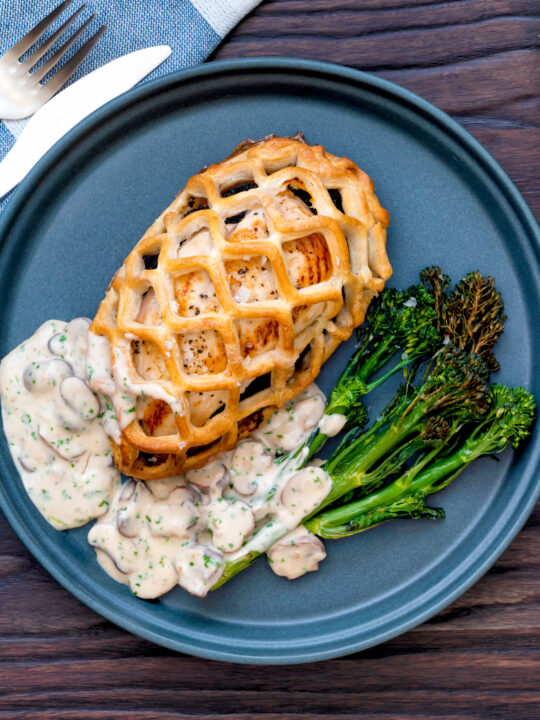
(193, 29)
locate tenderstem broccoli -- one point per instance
(409, 326)
(441, 419)
(454, 389)
(509, 420)
(471, 316)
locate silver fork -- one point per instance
(21, 91)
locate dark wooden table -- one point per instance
(479, 658)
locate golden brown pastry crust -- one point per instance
(319, 268)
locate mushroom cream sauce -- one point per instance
(156, 534)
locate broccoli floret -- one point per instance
(472, 316)
(399, 322)
(345, 399)
(419, 323)
(436, 282)
(435, 426)
(411, 506)
(508, 420)
(459, 382)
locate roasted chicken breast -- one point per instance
(235, 296)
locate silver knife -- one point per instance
(70, 106)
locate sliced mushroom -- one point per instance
(41, 376)
(25, 463)
(78, 396)
(199, 567)
(231, 522)
(66, 446)
(290, 426)
(158, 578)
(129, 516)
(161, 488)
(120, 550)
(72, 342)
(177, 516)
(250, 461)
(304, 492)
(77, 332)
(127, 491)
(308, 412)
(244, 485)
(127, 524)
(35, 453)
(57, 344)
(331, 425)
(79, 325)
(211, 475)
(297, 553)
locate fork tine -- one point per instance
(56, 82)
(36, 32)
(39, 52)
(51, 62)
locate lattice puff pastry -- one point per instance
(236, 295)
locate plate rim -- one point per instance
(476, 566)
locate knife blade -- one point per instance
(72, 105)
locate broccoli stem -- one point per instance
(419, 322)
(399, 322)
(362, 514)
(349, 519)
(361, 456)
(403, 364)
(375, 360)
(511, 416)
(339, 405)
(314, 444)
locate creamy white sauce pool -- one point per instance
(58, 416)
(54, 425)
(185, 529)
(116, 385)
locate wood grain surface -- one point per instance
(480, 658)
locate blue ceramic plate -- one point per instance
(79, 212)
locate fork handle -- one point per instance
(73, 104)
(12, 111)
